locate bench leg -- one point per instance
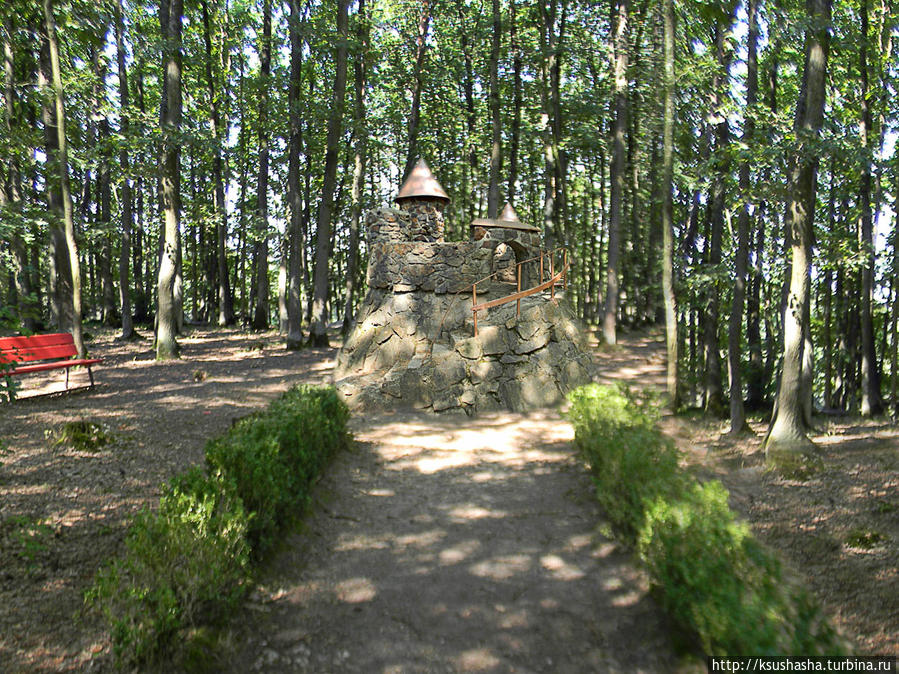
(67, 379)
(90, 373)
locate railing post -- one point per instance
(542, 253)
(474, 302)
(565, 267)
(552, 275)
(518, 301)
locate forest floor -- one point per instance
(438, 543)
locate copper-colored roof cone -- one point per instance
(421, 184)
(509, 214)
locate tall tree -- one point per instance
(421, 51)
(360, 144)
(515, 142)
(294, 338)
(218, 126)
(318, 334)
(668, 294)
(11, 191)
(65, 192)
(496, 131)
(617, 168)
(741, 262)
(260, 251)
(170, 192)
(870, 379)
(125, 165)
(787, 432)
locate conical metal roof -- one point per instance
(509, 214)
(421, 184)
(507, 219)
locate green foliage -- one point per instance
(188, 563)
(26, 537)
(710, 573)
(865, 539)
(185, 563)
(273, 457)
(82, 435)
(631, 461)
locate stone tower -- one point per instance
(413, 343)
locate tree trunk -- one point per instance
(668, 295)
(787, 432)
(421, 51)
(714, 394)
(319, 334)
(26, 308)
(65, 192)
(294, 338)
(496, 156)
(218, 127)
(166, 305)
(515, 48)
(360, 137)
(616, 169)
(125, 165)
(741, 263)
(871, 403)
(260, 253)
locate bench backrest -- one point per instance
(37, 347)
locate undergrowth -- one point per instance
(710, 574)
(187, 563)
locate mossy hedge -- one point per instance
(708, 571)
(188, 562)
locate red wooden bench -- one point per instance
(47, 352)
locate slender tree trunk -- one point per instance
(65, 192)
(125, 165)
(319, 334)
(617, 168)
(871, 403)
(550, 188)
(260, 253)
(755, 381)
(496, 156)
(217, 126)
(294, 339)
(787, 431)
(26, 308)
(167, 306)
(515, 48)
(421, 51)
(714, 394)
(360, 133)
(894, 323)
(741, 263)
(668, 295)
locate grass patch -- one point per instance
(710, 574)
(865, 539)
(187, 564)
(82, 436)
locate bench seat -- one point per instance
(42, 353)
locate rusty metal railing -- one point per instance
(517, 296)
(554, 278)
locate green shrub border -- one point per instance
(188, 563)
(715, 580)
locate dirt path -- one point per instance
(445, 544)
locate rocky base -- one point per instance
(395, 357)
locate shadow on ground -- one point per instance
(451, 544)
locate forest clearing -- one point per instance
(397, 503)
(700, 202)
